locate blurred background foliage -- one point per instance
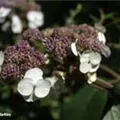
(79, 103)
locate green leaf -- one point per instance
(117, 88)
(87, 104)
(113, 113)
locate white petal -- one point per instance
(106, 51)
(95, 58)
(35, 74)
(89, 82)
(1, 58)
(42, 89)
(85, 56)
(52, 80)
(35, 18)
(29, 98)
(101, 37)
(25, 87)
(35, 15)
(3, 13)
(74, 49)
(16, 24)
(94, 68)
(92, 77)
(85, 67)
(32, 25)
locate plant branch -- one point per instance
(114, 45)
(110, 71)
(103, 83)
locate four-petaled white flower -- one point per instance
(16, 24)
(89, 61)
(1, 59)
(34, 86)
(35, 19)
(4, 12)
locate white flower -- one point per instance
(1, 59)
(101, 37)
(4, 13)
(34, 86)
(16, 24)
(35, 19)
(89, 61)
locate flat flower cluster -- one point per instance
(20, 58)
(24, 61)
(15, 13)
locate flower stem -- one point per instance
(103, 83)
(110, 71)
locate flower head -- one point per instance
(34, 86)
(58, 44)
(23, 57)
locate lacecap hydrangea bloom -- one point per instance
(24, 62)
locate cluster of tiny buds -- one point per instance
(85, 37)
(20, 58)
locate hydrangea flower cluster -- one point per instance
(24, 60)
(20, 58)
(58, 43)
(14, 13)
